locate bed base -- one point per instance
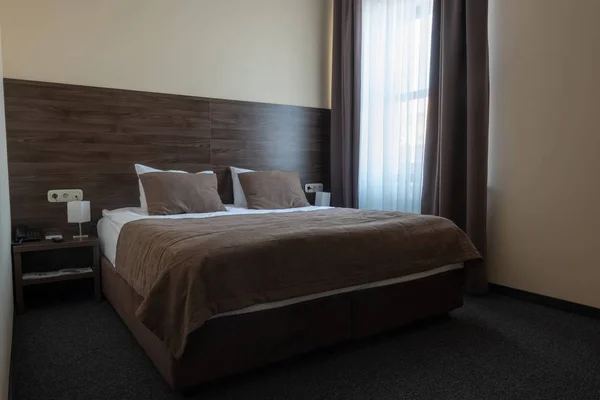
(229, 345)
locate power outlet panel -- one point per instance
(64, 195)
(313, 187)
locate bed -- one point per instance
(192, 134)
(242, 338)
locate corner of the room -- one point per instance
(6, 296)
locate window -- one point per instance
(396, 42)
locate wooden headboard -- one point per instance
(79, 137)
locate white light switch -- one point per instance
(313, 187)
(64, 195)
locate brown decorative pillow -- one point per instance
(171, 193)
(266, 190)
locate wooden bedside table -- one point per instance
(55, 255)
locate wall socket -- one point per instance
(64, 195)
(313, 187)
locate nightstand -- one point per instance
(45, 261)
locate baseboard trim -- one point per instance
(547, 301)
(10, 381)
(11, 369)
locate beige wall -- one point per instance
(544, 147)
(6, 297)
(274, 51)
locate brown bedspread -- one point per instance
(188, 270)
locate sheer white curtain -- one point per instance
(396, 41)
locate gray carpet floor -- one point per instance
(493, 348)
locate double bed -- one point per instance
(282, 303)
(182, 133)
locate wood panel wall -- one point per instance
(78, 137)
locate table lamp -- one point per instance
(322, 199)
(78, 212)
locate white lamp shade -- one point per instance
(322, 199)
(78, 211)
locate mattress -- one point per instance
(109, 228)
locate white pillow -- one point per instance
(143, 169)
(239, 198)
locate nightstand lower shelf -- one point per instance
(47, 261)
(36, 278)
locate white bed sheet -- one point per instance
(109, 228)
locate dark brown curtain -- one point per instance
(456, 148)
(345, 102)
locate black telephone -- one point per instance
(26, 234)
